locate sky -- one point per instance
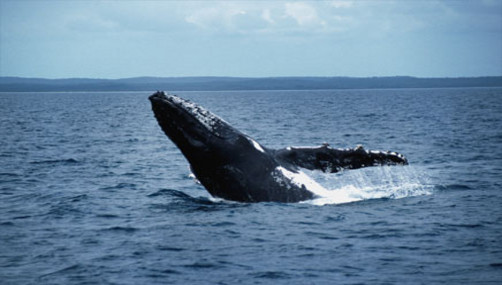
(120, 39)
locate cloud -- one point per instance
(303, 13)
(214, 17)
(229, 18)
(221, 37)
(267, 16)
(341, 4)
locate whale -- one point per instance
(233, 166)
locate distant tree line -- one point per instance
(19, 84)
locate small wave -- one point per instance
(162, 273)
(202, 265)
(21, 217)
(222, 224)
(169, 193)
(271, 275)
(169, 248)
(181, 197)
(56, 161)
(453, 187)
(449, 225)
(78, 198)
(121, 229)
(107, 216)
(8, 175)
(180, 201)
(119, 186)
(73, 267)
(371, 183)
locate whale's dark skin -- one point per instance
(333, 160)
(232, 166)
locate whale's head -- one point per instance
(228, 163)
(198, 133)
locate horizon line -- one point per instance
(253, 77)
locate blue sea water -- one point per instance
(92, 192)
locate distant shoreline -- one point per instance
(254, 90)
(21, 84)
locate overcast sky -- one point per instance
(117, 39)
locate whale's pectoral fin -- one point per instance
(333, 160)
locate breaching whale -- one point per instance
(233, 166)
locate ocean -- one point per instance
(93, 192)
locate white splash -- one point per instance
(371, 183)
(300, 179)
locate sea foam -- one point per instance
(371, 183)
